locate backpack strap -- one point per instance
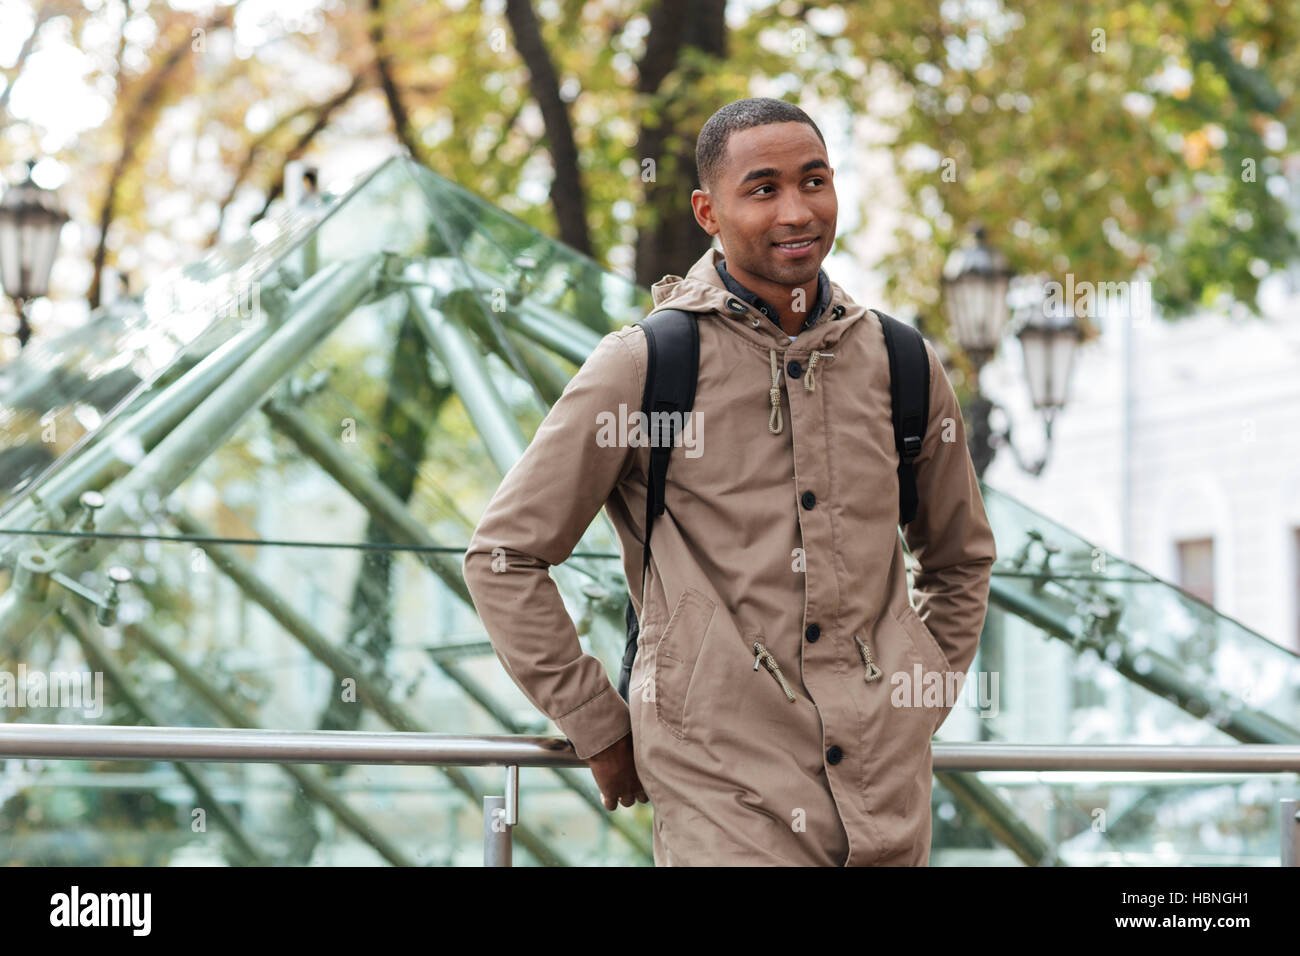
(909, 390)
(672, 368)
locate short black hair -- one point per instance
(711, 145)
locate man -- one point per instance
(771, 718)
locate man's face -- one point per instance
(775, 185)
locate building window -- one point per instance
(1196, 568)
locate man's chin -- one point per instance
(793, 273)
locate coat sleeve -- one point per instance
(538, 514)
(950, 536)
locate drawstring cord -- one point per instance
(774, 420)
(870, 670)
(763, 656)
(774, 424)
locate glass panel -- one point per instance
(355, 475)
(73, 813)
(1072, 610)
(76, 813)
(1121, 819)
(60, 391)
(489, 242)
(286, 637)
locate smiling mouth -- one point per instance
(796, 243)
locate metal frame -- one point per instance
(326, 300)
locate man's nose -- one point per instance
(794, 211)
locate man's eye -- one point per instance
(818, 180)
(764, 186)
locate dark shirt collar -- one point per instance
(740, 292)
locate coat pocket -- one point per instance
(935, 660)
(925, 643)
(675, 657)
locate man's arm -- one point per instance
(535, 519)
(950, 536)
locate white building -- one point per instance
(1199, 483)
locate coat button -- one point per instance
(834, 754)
(793, 369)
(812, 632)
(809, 499)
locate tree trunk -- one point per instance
(567, 195)
(674, 240)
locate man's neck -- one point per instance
(782, 298)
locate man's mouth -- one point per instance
(800, 248)
(803, 243)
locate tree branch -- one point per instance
(136, 124)
(387, 81)
(567, 194)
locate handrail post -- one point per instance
(500, 814)
(1290, 832)
(512, 795)
(496, 833)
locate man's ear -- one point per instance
(702, 206)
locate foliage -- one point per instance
(1103, 140)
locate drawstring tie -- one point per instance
(774, 420)
(870, 670)
(763, 656)
(774, 393)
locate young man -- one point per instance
(772, 718)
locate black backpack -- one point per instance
(672, 366)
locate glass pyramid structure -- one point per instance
(243, 498)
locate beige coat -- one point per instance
(796, 758)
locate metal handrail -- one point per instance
(239, 745)
(246, 745)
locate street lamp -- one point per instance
(1047, 344)
(30, 222)
(976, 280)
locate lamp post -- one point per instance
(31, 220)
(1047, 343)
(976, 280)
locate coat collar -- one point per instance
(702, 290)
(740, 291)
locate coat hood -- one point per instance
(702, 290)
